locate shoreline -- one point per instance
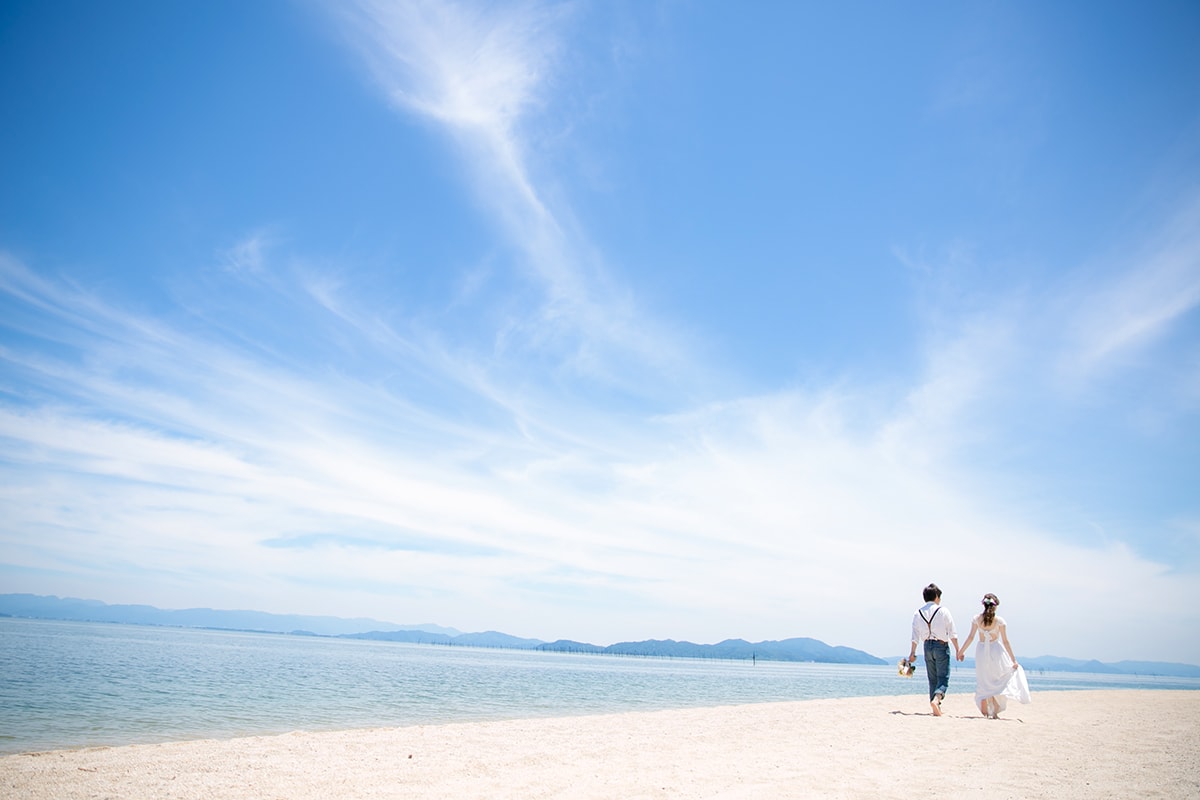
(1075, 743)
(154, 739)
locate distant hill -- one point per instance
(1166, 669)
(70, 608)
(801, 649)
(737, 649)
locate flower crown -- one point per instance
(987, 601)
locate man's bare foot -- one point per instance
(936, 704)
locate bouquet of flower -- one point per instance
(906, 668)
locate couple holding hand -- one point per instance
(998, 676)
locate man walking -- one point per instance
(934, 626)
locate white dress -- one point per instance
(994, 674)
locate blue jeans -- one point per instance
(937, 667)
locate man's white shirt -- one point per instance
(941, 623)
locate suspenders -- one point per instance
(929, 622)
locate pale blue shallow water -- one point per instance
(72, 684)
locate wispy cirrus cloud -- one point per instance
(1159, 287)
(1060, 342)
(473, 66)
(190, 470)
(476, 72)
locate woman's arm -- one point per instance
(1007, 646)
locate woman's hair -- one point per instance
(990, 601)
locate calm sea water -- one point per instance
(70, 684)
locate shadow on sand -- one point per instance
(955, 716)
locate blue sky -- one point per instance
(608, 320)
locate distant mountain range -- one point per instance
(1165, 669)
(49, 607)
(786, 650)
(1056, 664)
(70, 608)
(797, 649)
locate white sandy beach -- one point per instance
(1085, 744)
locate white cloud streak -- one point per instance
(751, 517)
(477, 71)
(1118, 320)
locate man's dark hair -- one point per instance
(932, 592)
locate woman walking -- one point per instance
(998, 676)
